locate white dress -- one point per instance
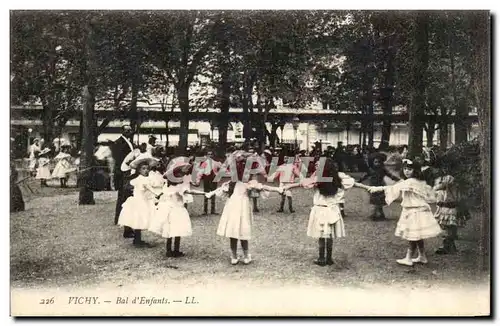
(157, 181)
(325, 219)
(416, 221)
(237, 217)
(170, 218)
(63, 166)
(34, 150)
(43, 170)
(137, 209)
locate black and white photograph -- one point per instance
(245, 163)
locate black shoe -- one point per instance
(170, 254)
(379, 218)
(143, 244)
(320, 262)
(205, 213)
(128, 235)
(178, 254)
(213, 213)
(292, 211)
(329, 261)
(280, 211)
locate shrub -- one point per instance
(463, 162)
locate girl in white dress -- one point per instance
(237, 217)
(137, 209)
(326, 220)
(43, 170)
(63, 167)
(171, 219)
(417, 221)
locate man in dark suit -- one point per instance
(121, 148)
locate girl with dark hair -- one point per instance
(137, 209)
(237, 217)
(446, 212)
(325, 220)
(417, 221)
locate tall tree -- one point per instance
(43, 66)
(86, 196)
(179, 42)
(480, 29)
(420, 65)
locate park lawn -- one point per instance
(57, 243)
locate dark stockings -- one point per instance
(177, 244)
(282, 204)
(137, 237)
(325, 243)
(234, 247)
(449, 240)
(255, 207)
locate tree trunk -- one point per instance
(387, 99)
(225, 99)
(273, 135)
(132, 113)
(80, 133)
(443, 135)
(461, 110)
(86, 196)
(461, 128)
(247, 108)
(183, 97)
(166, 132)
(420, 64)
(430, 131)
(480, 36)
(48, 123)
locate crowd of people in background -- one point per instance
(146, 200)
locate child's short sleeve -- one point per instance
(347, 181)
(139, 181)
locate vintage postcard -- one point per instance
(250, 163)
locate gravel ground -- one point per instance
(57, 243)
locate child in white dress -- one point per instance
(137, 210)
(171, 219)
(237, 217)
(326, 220)
(416, 222)
(63, 167)
(43, 170)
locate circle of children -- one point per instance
(161, 192)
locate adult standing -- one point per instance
(120, 149)
(35, 149)
(151, 144)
